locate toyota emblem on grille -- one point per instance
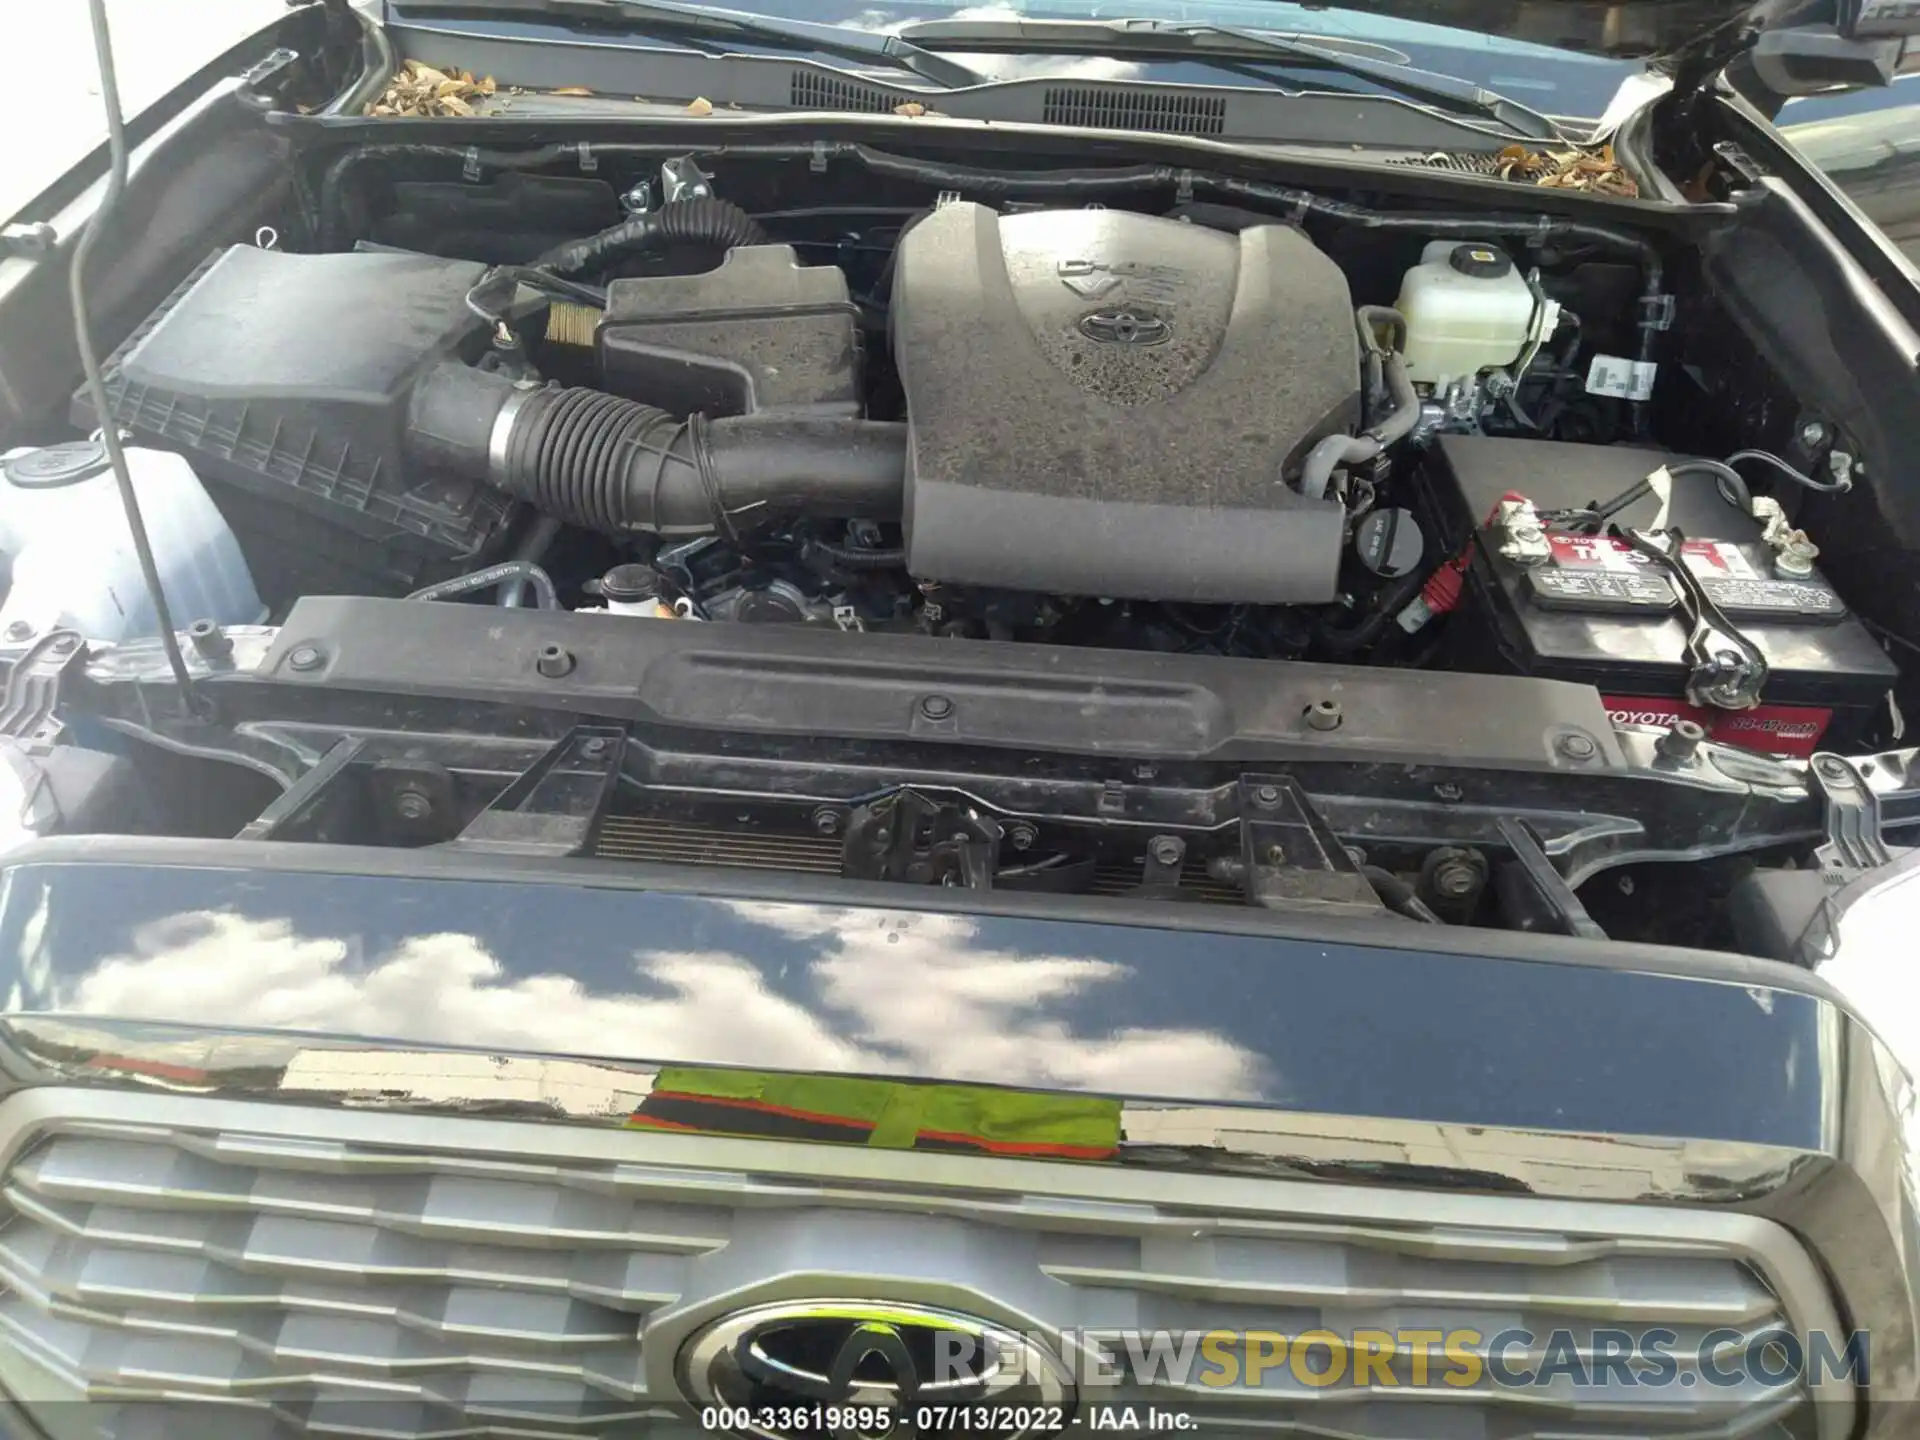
(776, 1370)
(1125, 327)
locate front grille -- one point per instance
(339, 1286)
(1168, 112)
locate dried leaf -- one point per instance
(572, 90)
(910, 108)
(1597, 171)
(700, 105)
(422, 90)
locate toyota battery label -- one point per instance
(1709, 559)
(1791, 730)
(1599, 574)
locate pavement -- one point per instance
(50, 113)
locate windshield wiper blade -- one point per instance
(1175, 40)
(669, 17)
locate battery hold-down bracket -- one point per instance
(1725, 669)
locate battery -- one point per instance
(1594, 612)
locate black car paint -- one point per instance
(1401, 1024)
(1381, 1024)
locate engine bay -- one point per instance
(1116, 409)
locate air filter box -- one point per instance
(761, 333)
(284, 379)
(1595, 613)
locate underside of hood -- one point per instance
(1691, 38)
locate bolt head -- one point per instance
(1813, 434)
(1448, 791)
(306, 657)
(1267, 795)
(936, 707)
(1454, 880)
(826, 821)
(1167, 850)
(593, 749)
(412, 805)
(553, 661)
(19, 630)
(1021, 837)
(1578, 747)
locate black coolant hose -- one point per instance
(620, 467)
(1389, 603)
(705, 222)
(848, 557)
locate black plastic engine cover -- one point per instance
(1104, 403)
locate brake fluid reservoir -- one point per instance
(1468, 309)
(65, 542)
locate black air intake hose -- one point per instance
(618, 466)
(718, 225)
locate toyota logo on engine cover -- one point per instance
(760, 1370)
(1125, 327)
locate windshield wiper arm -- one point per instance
(1201, 41)
(669, 17)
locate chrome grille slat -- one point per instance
(350, 1287)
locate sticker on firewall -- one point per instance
(1621, 378)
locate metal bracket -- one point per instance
(1725, 670)
(28, 240)
(1741, 163)
(556, 806)
(32, 695)
(908, 835)
(1855, 842)
(304, 810)
(1534, 894)
(1290, 858)
(682, 179)
(254, 79)
(639, 199)
(1160, 871)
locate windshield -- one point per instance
(1556, 82)
(1868, 142)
